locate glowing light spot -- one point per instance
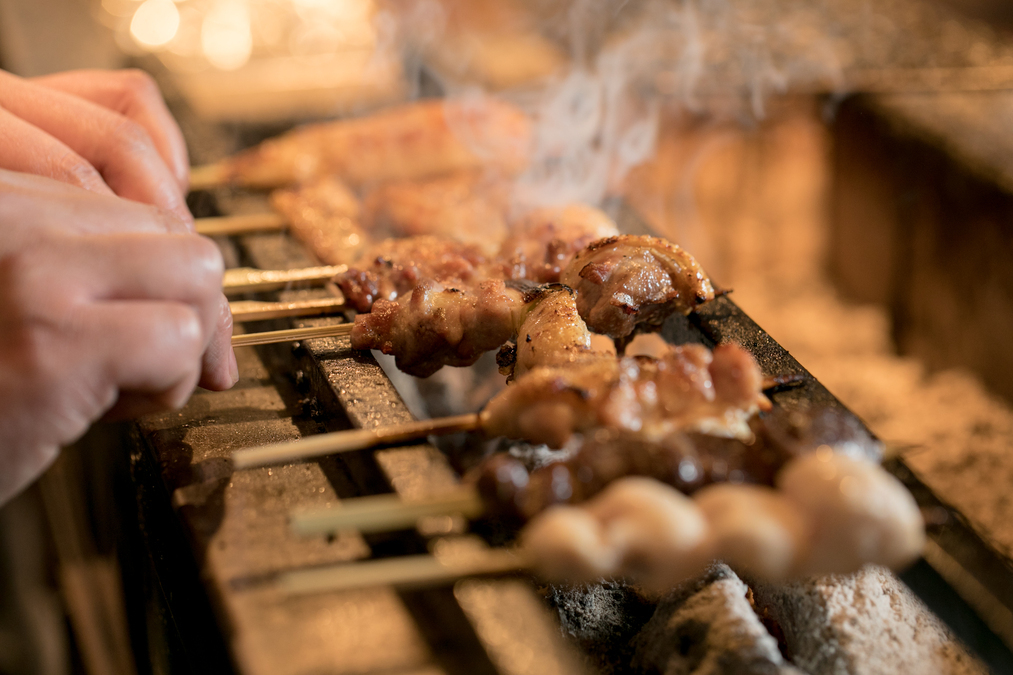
(226, 38)
(155, 23)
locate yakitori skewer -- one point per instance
(384, 513)
(348, 441)
(209, 176)
(241, 224)
(826, 512)
(407, 141)
(503, 485)
(249, 280)
(403, 572)
(291, 335)
(253, 310)
(690, 389)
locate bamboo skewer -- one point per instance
(349, 441)
(208, 176)
(248, 279)
(291, 335)
(241, 224)
(252, 310)
(402, 572)
(384, 513)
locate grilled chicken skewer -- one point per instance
(445, 322)
(829, 513)
(687, 390)
(410, 141)
(503, 486)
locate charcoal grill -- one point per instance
(214, 541)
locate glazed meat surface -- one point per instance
(551, 334)
(690, 389)
(435, 326)
(396, 266)
(410, 141)
(626, 282)
(542, 242)
(325, 216)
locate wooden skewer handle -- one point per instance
(383, 513)
(250, 222)
(208, 176)
(247, 279)
(404, 572)
(348, 441)
(251, 310)
(291, 335)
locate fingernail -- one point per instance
(233, 366)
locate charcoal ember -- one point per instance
(708, 627)
(601, 620)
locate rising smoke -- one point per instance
(614, 67)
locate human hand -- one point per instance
(107, 308)
(106, 131)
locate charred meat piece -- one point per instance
(434, 326)
(690, 389)
(627, 282)
(396, 266)
(543, 241)
(411, 141)
(325, 216)
(551, 334)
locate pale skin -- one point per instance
(110, 305)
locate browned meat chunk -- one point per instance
(627, 282)
(690, 389)
(325, 216)
(542, 242)
(551, 334)
(396, 266)
(433, 326)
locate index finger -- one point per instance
(118, 147)
(133, 94)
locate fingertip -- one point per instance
(221, 373)
(220, 368)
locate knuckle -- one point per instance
(167, 220)
(138, 84)
(75, 170)
(130, 138)
(19, 273)
(206, 259)
(187, 333)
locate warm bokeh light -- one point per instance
(226, 38)
(155, 23)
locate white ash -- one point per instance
(863, 623)
(708, 627)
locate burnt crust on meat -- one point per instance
(627, 283)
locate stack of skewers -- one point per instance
(671, 460)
